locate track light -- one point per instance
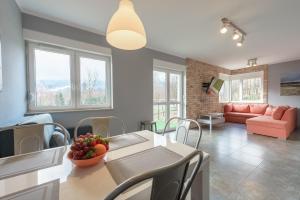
(236, 35)
(240, 43)
(252, 62)
(223, 29)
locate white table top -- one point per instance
(88, 183)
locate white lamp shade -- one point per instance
(125, 29)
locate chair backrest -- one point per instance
(183, 130)
(30, 137)
(169, 182)
(41, 119)
(100, 125)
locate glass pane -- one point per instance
(224, 92)
(252, 89)
(159, 86)
(235, 90)
(175, 87)
(53, 82)
(92, 81)
(160, 115)
(174, 112)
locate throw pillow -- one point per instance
(269, 111)
(258, 108)
(57, 140)
(278, 112)
(241, 108)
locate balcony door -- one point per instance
(167, 96)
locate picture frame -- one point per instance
(290, 84)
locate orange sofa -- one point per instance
(263, 119)
(239, 113)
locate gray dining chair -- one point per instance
(100, 125)
(171, 182)
(182, 131)
(30, 137)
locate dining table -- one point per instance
(50, 174)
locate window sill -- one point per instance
(67, 110)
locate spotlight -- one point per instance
(252, 62)
(236, 35)
(240, 43)
(223, 29)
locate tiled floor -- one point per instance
(252, 167)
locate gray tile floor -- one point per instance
(252, 167)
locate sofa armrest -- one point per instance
(228, 108)
(290, 116)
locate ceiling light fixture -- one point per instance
(226, 24)
(238, 33)
(252, 62)
(223, 29)
(240, 43)
(125, 29)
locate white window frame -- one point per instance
(108, 78)
(242, 77)
(168, 102)
(74, 78)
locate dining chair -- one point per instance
(182, 131)
(100, 125)
(30, 137)
(170, 182)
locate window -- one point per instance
(252, 89)
(242, 88)
(64, 79)
(224, 94)
(167, 96)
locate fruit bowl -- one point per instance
(87, 162)
(88, 150)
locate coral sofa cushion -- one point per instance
(269, 111)
(227, 108)
(242, 115)
(278, 112)
(258, 108)
(267, 121)
(241, 108)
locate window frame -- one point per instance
(167, 103)
(240, 78)
(108, 79)
(74, 78)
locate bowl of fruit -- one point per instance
(88, 150)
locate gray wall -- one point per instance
(12, 97)
(275, 72)
(132, 75)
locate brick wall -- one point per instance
(198, 102)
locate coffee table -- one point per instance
(211, 119)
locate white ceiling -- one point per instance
(190, 28)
